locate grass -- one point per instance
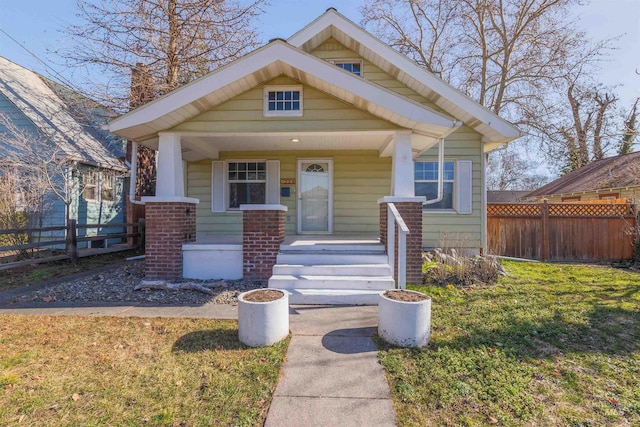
(66, 371)
(32, 274)
(557, 345)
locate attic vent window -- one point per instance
(354, 67)
(283, 101)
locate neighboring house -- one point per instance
(506, 196)
(605, 179)
(63, 124)
(319, 132)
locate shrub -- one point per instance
(448, 268)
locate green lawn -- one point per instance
(556, 345)
(72, 371)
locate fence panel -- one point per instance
(561, 231)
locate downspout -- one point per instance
(440, 175)
(134, 174)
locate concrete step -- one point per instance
(331, 258)
(333, 247)
(333, 296)
(367, 270)
(331, 282)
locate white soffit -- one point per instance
(333, 24)
(278, 58)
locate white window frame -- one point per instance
(107, 178)
(429, 208)
(95, 183)
(100, 177)
(349, 61)
(282, 113)
(227, 181)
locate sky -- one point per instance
(37, 25)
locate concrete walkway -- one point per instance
(331, 376)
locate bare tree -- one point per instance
(508, 170)
(515, 57)
(177, 40)
(630, 131)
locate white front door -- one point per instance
(315, 196)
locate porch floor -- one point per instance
(308, 240)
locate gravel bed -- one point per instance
(117, 283)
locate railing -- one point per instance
(47, 244)
(393, 218)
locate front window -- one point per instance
(283, 101)
(426, 183)
(247, 183)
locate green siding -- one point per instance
(449, 229)
(360, 178)
(321, 112)
(334, 50)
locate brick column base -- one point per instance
(168, 226)
(262, 234)
(411, 213)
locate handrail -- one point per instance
(393, 218)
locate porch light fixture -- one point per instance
(295, 140)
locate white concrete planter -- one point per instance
(263, 323)
(404, 323)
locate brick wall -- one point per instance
(262, 234)
(411, 212)
(168, 226)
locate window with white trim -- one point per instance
(283, 101)
(354, 67)
(426, 183)
(90, 185)
(98, 186)
(247, 183)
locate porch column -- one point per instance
(170, 174)
(402, 166)
(262, 234)
(170, 216)
(409, 206)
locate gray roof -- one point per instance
(78, 135)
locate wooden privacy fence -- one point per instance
(56, 243)
(561, 231)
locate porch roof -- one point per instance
(279, 59)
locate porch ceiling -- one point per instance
(197, 147)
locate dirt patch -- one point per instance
(406, 296)
(264, 295)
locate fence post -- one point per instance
(72, 238)
(544, 209)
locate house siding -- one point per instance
(321, 112)
(360, 178)
(449, 229)
(334, 50)
(8, 110)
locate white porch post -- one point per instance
(170, 171)
(402, 166)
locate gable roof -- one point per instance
(272, 60)
(612, 172)
(294, 60)
(495, 130)
(53, 117)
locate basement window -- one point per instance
(283, 101)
